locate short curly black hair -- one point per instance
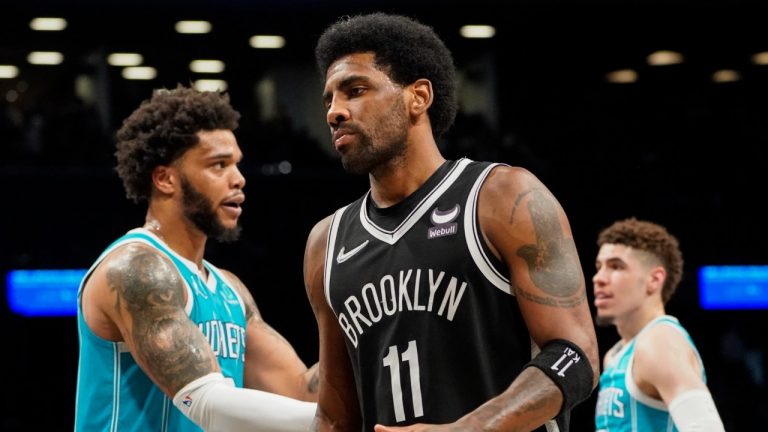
(162, 128)
(405, 49)
(653, 239)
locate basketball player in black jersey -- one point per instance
(450, 296)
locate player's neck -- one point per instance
(183, 238)
(631, 324)
(400, 178)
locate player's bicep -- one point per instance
(527, 226)
(150, 299)
(544, 261)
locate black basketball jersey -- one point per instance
(432, 328)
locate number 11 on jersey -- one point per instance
(411, 356)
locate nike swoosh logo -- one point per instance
(439, 218)
(343, 256)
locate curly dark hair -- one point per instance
(405, 49)
(653, 239)
(162, 128)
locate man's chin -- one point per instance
(228, 235)
(603, 321)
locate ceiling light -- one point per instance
(622, 76)
(726, 75)
(477, 31)
(139, 73)
(8, 71)
(125, 59)
(206, 66)
(45, 57)
(210, 85)
(193, 27)
(267, 41)
(665, 58)
(760, 58)
(48, 24)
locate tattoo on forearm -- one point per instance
(520, 408)
(166, 340)
(552, 260)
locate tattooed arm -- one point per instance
(271, 363)
(525, 226)
(137, 296)
(143, 297)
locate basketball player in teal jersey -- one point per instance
(450, 296)
(168, 342)
(653, 378)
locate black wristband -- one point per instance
(567, 366)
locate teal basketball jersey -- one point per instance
(621, 405)
(114, 393)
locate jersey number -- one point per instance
(411, 355)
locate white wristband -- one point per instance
(215, 404)
(695, 411)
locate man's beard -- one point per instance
(199, 210)
(603, 321)
(366, 157)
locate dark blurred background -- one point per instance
(683, 144)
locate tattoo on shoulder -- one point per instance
(150, 289)
(552, 261)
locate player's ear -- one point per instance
(656, 279)
(165, 179)
(421, 89)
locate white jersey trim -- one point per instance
(474, 237)
(333, 231)
(213, 269)
(629, 381)
(392, 236)
(117, 377)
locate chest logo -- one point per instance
(443, 217)
(444, 222)
(343, 255)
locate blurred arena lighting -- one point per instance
(665, 58)
(760, 58)
(267, 41)
(48, 24)
(139, 73)
(124, 59)
(8, 71)
(477, 31)
(45, 57)
(11, 96)
(206, 66)
(43, 292)
(727, 287)
(193, 27)
(621, 76)
(726, 76)
(210, 85)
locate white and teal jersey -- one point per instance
(114, 393)
(621, 405)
